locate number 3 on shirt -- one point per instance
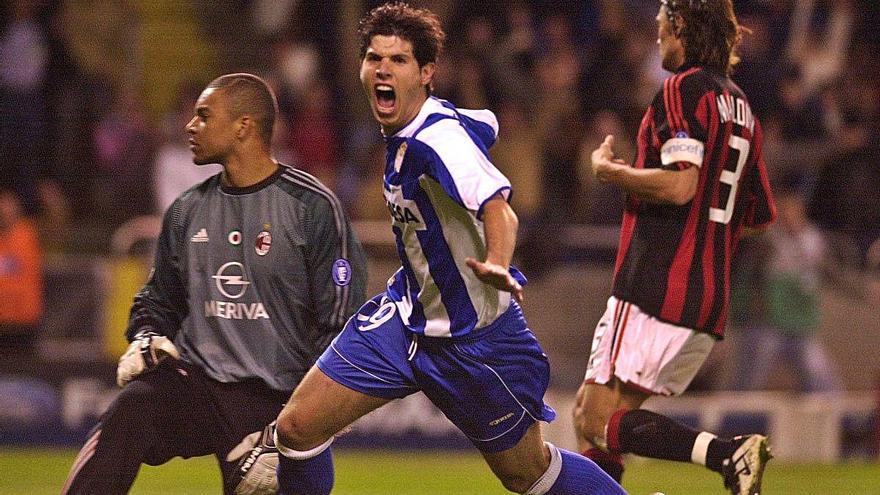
(731, 179)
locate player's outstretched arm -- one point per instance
(655, 185)
(500, 225)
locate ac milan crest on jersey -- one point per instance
(264, 242)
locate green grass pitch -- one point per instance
(360, 472)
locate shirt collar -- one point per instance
(431, 106)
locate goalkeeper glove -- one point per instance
(257, 461)
(145, 352)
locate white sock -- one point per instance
(546, 481)
(298, 455)
(701, 447)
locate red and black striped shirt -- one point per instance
(674, 261)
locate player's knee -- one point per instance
(594, 427)
(578, 413)
(591, 424)
(294, 433)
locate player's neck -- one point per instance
(413, 114)
(242, 171)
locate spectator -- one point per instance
(312, 134)
(124, 147)
(819, 56)
(54, 220)
(517, 154)
(802, 112)
(21, 285)
(512, 62)
(788, 288)
(846, 199)
(560, 129)
(102, 37)
(759, 75)
(24, 57)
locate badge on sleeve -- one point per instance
(682, 148)
(341, 272)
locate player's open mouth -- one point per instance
(385, 97)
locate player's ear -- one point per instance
(427, 73)
(244, 125)
(677, 25)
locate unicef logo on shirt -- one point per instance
(681, 135)
(341, 272)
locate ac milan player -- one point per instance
(699, 180)
(230, 320)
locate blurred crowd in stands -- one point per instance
(94, 95)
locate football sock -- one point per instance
(573, 474)
(649, 434)
(718, 450)
(313, 476)
(610, 462)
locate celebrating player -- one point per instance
(449, 324)
(256, 271)
(698, 181)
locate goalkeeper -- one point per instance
(256, 270)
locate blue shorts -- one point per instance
(490, 383)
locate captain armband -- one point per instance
(682, 149)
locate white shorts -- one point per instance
(644, 352)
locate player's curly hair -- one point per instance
(421, 27)
(709, 32)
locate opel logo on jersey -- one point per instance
(264, 242)
(230, 280)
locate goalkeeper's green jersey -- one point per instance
(253, 282)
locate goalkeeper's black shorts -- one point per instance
(174, 410)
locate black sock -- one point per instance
(649, 434)
(719, 449)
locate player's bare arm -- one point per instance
(500, 224)
(654, 185)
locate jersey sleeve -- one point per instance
(760, 208)
(336, 264)
(461, 167)
(161, 302)
(681, 122)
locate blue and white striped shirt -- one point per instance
(438, 176)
